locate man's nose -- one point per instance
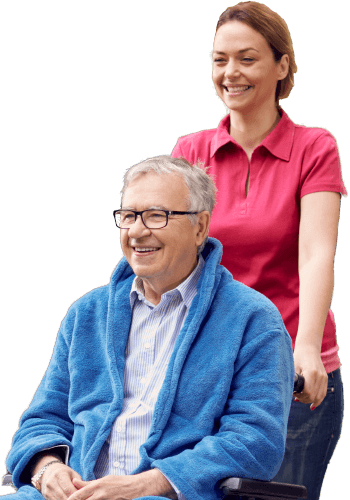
(138, 229)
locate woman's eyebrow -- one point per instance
(249, 48)
(240, 51)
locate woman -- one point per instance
(279, 187)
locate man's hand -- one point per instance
(147, 483)
(56, 482)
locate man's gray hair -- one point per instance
(201, 186)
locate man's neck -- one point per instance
(154, 289)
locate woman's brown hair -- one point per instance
(275, 31)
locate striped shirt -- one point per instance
(152, 337)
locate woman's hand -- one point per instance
(307, 362)
(56, 482)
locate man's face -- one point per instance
(164, 257)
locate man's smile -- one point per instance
(145, 250)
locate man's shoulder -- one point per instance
(246, 303)
(95, 296)
(243, 293)
(98, 298)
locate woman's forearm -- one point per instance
(315, 295)
(317, 243)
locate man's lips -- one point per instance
(145, 250)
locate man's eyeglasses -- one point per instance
(152, 219)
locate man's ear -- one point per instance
(203, 221)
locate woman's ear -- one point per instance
(283, 67)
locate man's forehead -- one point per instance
(152, 190)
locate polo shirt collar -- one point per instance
(279, 142)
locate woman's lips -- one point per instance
(237, 89)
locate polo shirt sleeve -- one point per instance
(321, 170)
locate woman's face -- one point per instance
(245, 73)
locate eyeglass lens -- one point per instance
(153, 219)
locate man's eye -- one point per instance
(127, 216)
(157, 215)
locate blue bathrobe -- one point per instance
(223, 407)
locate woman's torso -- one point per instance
(259, 230)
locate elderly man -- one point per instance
(168, 379)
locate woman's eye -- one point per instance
(248, 59)
(219, 60)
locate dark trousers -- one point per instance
(311, 439)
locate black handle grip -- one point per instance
(298, 383)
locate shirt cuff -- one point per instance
(180, 496)
(62, 448)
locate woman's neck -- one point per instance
(250, 129)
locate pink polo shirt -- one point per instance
(259, 232)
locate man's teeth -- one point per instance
(150, 249)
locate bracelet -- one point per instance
(38, 475)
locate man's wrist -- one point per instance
(156, 484)
(42, 460)
(37, 478)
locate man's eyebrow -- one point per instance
(153, 207)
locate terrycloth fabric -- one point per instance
(222, 410)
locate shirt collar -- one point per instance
(187, 288)
(279, 141)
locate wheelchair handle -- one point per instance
(298, 382)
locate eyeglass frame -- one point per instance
(136, 212)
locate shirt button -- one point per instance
(133, 405)
(143, 381)
(116, 464)
(147, 345)
(119, 429)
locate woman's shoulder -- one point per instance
(308, 135)
(200, 144)
(194, 147)
(202, 136)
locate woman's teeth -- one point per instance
(237, 89)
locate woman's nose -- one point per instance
(232, 70)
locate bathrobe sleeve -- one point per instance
(46, 423)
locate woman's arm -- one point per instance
(317, 243)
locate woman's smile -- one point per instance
(236, 90)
